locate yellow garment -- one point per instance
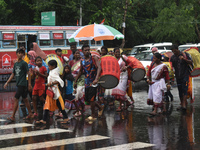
(190, 92)
(50, 103)
(129, 93)
(26, 59)
(171, 72)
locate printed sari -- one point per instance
(80, 91)
(158, 87)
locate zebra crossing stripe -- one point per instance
(1, 120)
(32, 133)
(18, 125)
(57, 143)
(135, 145)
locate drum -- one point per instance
(136, 71)
(110, 72)
(193, 51)
(95, 53)
(59, 63)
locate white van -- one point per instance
(160, 46)
(188, 45)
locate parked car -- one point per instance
(189, 45)
(140, 48)
(145, 57)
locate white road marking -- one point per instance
(18, 125)
(129, 146)
(1, 120)
(32, 133)
(57, 143)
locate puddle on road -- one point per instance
(174, 130)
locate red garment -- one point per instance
(38, 92)
(39, 80)
(71, 63)
(164, 73)
(61, 59)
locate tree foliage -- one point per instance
(146, 20)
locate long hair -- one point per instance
(69, 75)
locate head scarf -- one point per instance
(33, 55)
(154, 49)
(38, 51)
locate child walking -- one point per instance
(68, 90)
(54, 101)
(20, 71)
(40, 73)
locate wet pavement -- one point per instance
(131, 129)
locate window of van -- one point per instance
(136, 50)
(58, 39)
(44, 39)
(9, 40)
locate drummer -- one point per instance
(119, 92)
(104, 50)
(180, 62)
(91, 67)
(101, 90)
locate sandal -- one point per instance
(77, 114)
(35, 115)
(119, 109)
(11, 118)
(65, 121)
(90, 118)
(153, 114)
(28, 117)
(40, 122)
(59, 115)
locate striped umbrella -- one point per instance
(97, 32)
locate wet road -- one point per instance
(132, 129)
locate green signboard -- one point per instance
(48, 18)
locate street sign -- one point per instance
(48, 18)
(6, 60)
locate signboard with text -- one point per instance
(48, 18)
(8, 36)
(57, 35)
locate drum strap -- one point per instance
(93, 61)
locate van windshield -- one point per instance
(136, 50)
(183, 48)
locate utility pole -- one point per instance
(124, 24)
(80, 21)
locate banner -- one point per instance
(57, 35)
(8, 36)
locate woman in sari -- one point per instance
(157, 75)
(119, 92)
(79, 92)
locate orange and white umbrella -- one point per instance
(97, 32)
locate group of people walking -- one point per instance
(78, 83)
